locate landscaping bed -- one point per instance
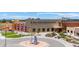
(50, 34)
(69, 39)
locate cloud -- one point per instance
(40, 13)
(7, 16)
(69, 14)
(50, 13)
(61, 14)
(2, 16)
(22, 17)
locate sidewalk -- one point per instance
(2, 37)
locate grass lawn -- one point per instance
(13, 35)
(8, 33)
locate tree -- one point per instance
(3, 20)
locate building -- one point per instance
(41, 25)
(44, 25)
(19, 26)
(6, 26)
(72, 28)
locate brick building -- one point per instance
(44, 25)
(38, 25)
(19, 26)
(72, 27)
(6, 26)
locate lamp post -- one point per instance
(31, 31)
(5, 44)
(5, 30)
(3, 37)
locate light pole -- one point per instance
(31, 31)
(5, 30)
(5, 44)
(3, 36)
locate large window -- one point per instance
(71, 31)
(52, 29)
(39, 30)
(25, 28)
(67, 30)
(34, 30)
(43, 29)
(78, 34)
(47, 29)
(59, 24)
(18, 28)
(22, 27)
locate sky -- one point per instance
(42, 15)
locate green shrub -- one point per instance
(62, 35)
(50, 34)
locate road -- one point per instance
(15, 42)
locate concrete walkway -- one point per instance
(1, 37)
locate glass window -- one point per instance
(71, 31)
(52, 29)
(47, 29)
(67, 30)
(39, 30)
(34, 29)
(43, 29)
(59, 24)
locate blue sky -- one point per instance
(42, 15)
